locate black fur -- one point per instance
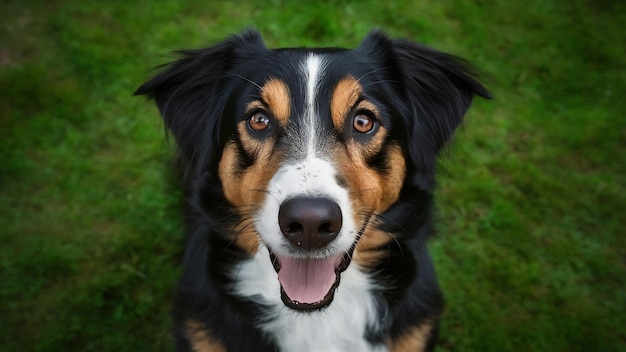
(425, 94)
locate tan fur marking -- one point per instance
(366, 254)
(371, 192)
(394, 180)
(200, 339)
(415, 339)
(257, 148)
(345, 95)
(370, 189)
(367, 105)
(244, 239)
(275, 94)
(246, 190)
(370, 248)
(254, 105)
(246, 236)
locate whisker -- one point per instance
(237, 230)
(369, 215)
(266, 192)
(372, 72)
(245, 79)
(399, 225)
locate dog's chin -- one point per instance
(308, 284)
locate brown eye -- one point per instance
(363, 123)
(259, 121)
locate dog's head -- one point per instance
(325, 156)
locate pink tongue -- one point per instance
(307, 280)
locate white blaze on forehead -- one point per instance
(313, 69)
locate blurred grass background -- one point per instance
(532, 248)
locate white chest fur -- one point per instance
(342, 326)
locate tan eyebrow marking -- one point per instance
(347, 93)
(275, 94)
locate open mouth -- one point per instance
(309, 283)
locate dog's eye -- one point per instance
(363, 123)
(258, 121)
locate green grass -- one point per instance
(531, 247)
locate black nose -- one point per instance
(310, 223)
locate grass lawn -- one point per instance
(531, 250)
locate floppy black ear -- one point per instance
(189, 95)
(436, 89)
(440, 88)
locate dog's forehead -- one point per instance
(307, 79)
(311, 94)
(327, 68)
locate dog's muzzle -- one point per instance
(308, 281)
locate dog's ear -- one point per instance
(436, 90)
(189, 93)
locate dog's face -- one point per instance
(310, 164)
(320, 153)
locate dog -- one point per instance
(309, 178)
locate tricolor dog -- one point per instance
(309, 177)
